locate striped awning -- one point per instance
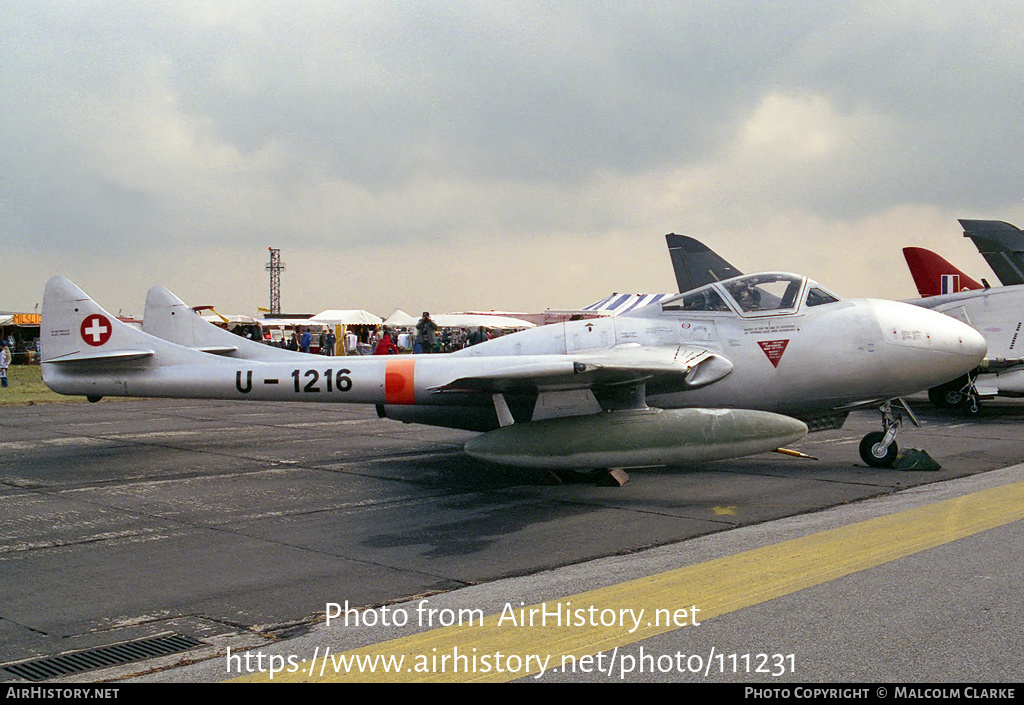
(620, 303)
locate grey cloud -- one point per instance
(536, 98)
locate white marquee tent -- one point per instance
(401, 319)
(349, 317)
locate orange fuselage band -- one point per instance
(399, 387)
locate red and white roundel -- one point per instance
(96, 329)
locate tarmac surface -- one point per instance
(237, 523)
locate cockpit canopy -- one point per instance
(764, 293)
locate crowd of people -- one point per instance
(424, 338)
(429, 338)
(302, 341)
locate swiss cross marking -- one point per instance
(96, 330)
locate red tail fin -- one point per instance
(933, 275)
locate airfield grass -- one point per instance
(25, 386)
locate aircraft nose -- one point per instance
(974, 343)
(955, 338)
(952, 347)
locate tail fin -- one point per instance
(76, 329)
(79, 339)
(695, 264)
(1002, 246)
(933, 275)
(171, 319)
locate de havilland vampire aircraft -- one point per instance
(168, 317)
(733, 368)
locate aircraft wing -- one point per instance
(1000, 364)
(669, 369)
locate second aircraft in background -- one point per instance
(996, 312)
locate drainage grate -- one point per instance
(102, 657)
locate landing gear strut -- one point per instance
(878, 449)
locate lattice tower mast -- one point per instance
(275, 266)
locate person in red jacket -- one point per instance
(386, 346)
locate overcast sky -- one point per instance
(477, 155)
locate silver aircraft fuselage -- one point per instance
(771, 342)
(800, 360)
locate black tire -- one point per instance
(867, 452)
(944, 398)
(949, 395)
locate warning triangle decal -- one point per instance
(774, 349)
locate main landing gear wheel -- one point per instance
(959, 394)
(946, 396)
(872, 453)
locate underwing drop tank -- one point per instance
(636, 438)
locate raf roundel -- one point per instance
(96, 329)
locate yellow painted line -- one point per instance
(498, 649)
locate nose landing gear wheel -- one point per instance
(872, 454)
